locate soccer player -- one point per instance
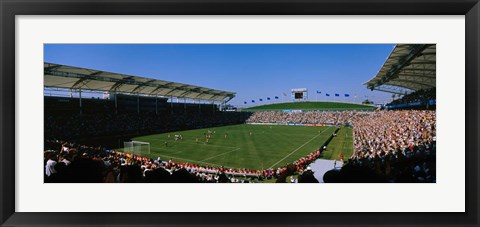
(251, 133)
(166, 144)
(226, 135)
(196, 140)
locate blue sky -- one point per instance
(253, 71)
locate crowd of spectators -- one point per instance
(73, 163)
(68, 126)
(397, 146)
(308, 117)
(418, 96)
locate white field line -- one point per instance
(190, 160)
(221, 154)
(299, 148)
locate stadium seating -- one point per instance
(422, 99)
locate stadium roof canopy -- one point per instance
(409, 68)
(69, 77)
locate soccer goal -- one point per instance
(136, 147)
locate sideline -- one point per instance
(300, 147)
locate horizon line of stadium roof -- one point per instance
(76, 78)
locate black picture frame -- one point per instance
(10, 8)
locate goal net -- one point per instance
(136, 147)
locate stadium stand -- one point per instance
(423, 99)
(74, 126)
(131, 105)
(304, 117)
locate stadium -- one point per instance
(108, 127)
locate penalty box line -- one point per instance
(202, 161)
(190, 160)
(221, 154)
(299, 147)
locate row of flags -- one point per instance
(318, 92)
(268, 98)
(336, 94)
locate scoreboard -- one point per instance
(299, 94)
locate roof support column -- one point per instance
(185, 104)
(80, 100)
(138, 103)
(199, 108)
(156, 104)
(116, 103)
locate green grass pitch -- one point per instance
(342, 143)
(266, 147)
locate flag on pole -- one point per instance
(245, 102)
(347, 95)
(276, 97)
(337, 94)
(327, 94)
(261, 100)
(268, 98)
(319, 92)
(253, 100)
